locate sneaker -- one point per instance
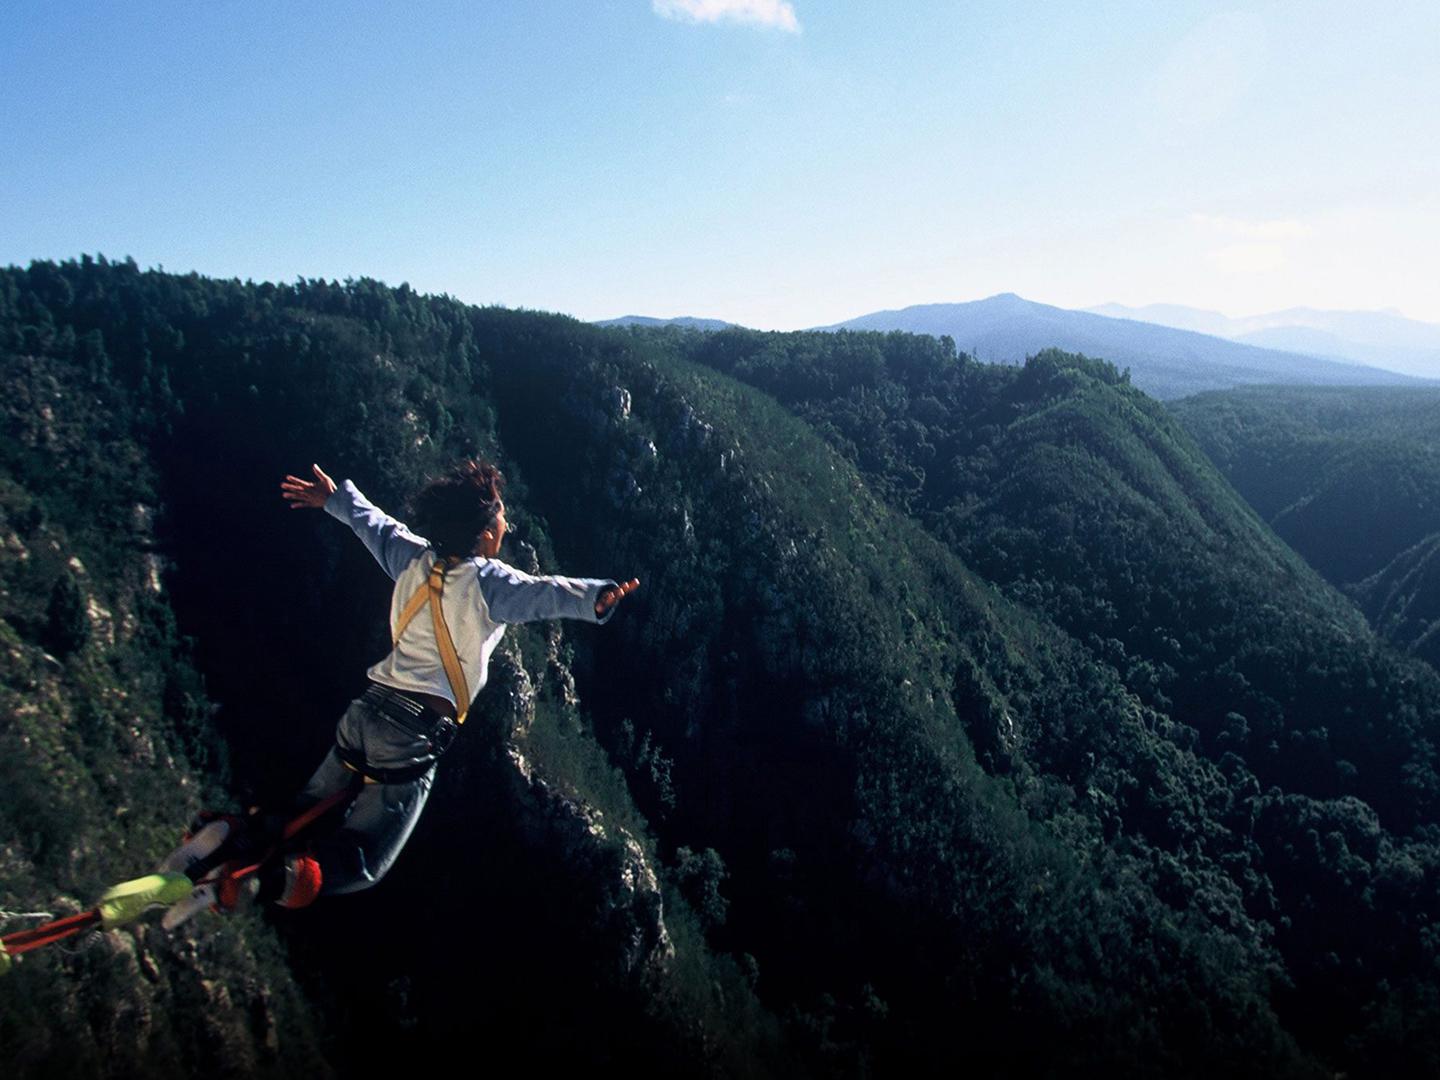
(199, 846)
(222, 894)
(200, 898)
(127, 901)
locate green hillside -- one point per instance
(964, 718)
(1082, 498)
(1350, 479)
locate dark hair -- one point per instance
(453, 510)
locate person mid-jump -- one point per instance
(452, 600)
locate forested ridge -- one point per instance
(965, 717)
(1351, 480)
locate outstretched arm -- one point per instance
(513, 596)
(392, 544)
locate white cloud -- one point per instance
(775, 14)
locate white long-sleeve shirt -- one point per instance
(481, 596)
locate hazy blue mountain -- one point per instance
(1163, 361)
(1302, 339)
(1383, 339)
(1176, 316)
(687, 321)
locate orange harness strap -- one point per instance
(430, 593)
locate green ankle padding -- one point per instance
(128, 900)
(4, 959)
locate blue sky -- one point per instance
(778, 164)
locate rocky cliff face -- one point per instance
(605, 858)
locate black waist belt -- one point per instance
(412, 715)
(356, 761)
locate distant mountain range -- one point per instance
(1171, 351)
(1163, 361)
(686, 321)
(1383, 339)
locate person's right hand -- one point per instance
(307, 493)
(613, 594)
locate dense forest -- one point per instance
(966, 717)
(1350, 480)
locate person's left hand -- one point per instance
(614, 594)
(307, 493)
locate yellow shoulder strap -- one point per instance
(430, 593)
(411, 609)
(453, 671)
